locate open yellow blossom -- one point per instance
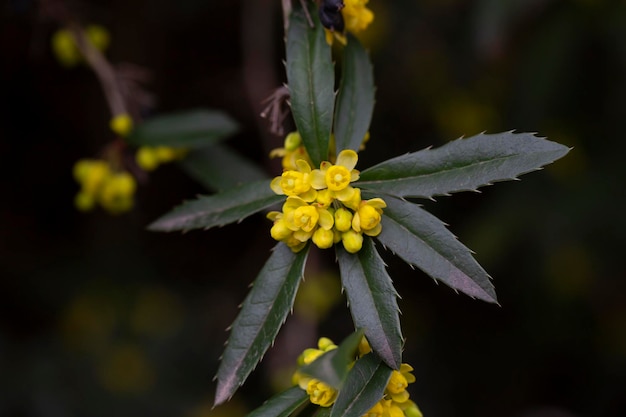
(321, 393)
(299, 215)
(337, 177)
(295, 182)
(367, 217)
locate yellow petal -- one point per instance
(347, 158)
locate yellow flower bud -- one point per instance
(98, 36)
(292, 141)
(323, 238)
(122, 124)
(326, 344)
(280, 230)
(84, 201)
(64, 48)
(343, 219)
(413, 411)
(146, 158)
(352, 241)
(91, 174)
(165, 153)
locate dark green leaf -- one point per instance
(333, 366)
(372, 300)
(190, 129)
(364, 387)
(310, 78)
(262, 314)
(355, 99)
(462, 165)
(219, 209)
(219, 168)
(422, 240)
(283, 404)
(323, 412)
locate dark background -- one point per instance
(99, 317)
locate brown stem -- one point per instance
(103, 69)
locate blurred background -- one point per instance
(99, 317)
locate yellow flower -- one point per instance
(357, 17)
(367, 217)
(299, 215)
(295, 182)
(321, 393)
(337, 178)
(396, 387)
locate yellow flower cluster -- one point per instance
(322, 206)
(357, 17)
(319, 392)
(100, 184)
(150, 157)
(64, 44)
(395, 401)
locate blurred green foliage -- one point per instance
(100, 317)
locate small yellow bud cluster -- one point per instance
(319, 393)
(150, 157)
(293, 150)
(64, 44)
(322, 206)
(100, 184)
(395, 401)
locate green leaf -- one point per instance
(323, 412)
(333, 366)
(372, 300)
(218, 168)
(219, 209)
(422, 240)
(263, 312)
(363, 388)
(283, 404)
(189, 129)
(310, 78)
(355, 99)
(462, 165)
